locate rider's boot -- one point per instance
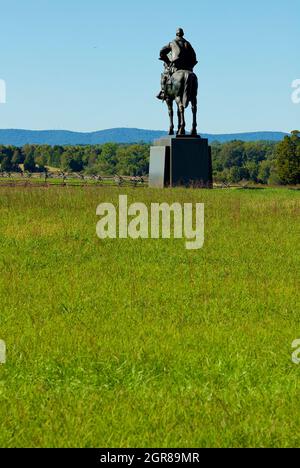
(161, 96)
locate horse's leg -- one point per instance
(181, 130)
(194, 110)
(182, 126)
(179, 120)
(171, 114)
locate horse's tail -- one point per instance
(190, 88)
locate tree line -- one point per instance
(107, 159)
(259, 162)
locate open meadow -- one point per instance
(141, 343)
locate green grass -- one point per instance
(142, 343)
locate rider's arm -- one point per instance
(164, 54)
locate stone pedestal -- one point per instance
(180, 161)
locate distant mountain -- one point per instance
(116, 135)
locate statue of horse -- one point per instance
(182, 87)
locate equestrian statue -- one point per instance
(179, 82)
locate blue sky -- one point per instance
(89, 65)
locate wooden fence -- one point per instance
(65, 179)
(68, 179)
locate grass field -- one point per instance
(143, 343)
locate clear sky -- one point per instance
(93, 64)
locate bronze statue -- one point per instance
(178, 82)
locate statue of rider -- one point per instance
(177, 55)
